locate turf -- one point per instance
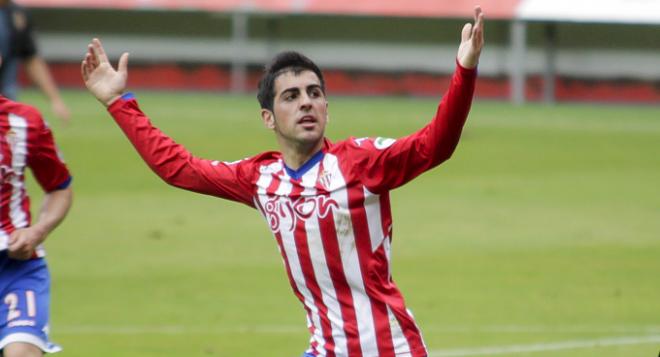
(544, 227)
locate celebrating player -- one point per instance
(326, 203)
(26, 141)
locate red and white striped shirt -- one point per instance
(25, 141)
(331, 218)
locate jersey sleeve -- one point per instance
(177, 166)
(45, 159)
(384, 164)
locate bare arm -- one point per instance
(169, 160)
(38, 71)
(23, 242)
(385, 165)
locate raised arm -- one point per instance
(169, 160)
(387, 164)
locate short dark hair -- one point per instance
(281, 63)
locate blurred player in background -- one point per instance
(27, 142)
(17, 44)
(326, 203)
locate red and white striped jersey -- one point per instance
(331, 218)
(25, 141)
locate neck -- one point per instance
(295, 156)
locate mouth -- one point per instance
(307, 121)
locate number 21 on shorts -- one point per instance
(12, 300)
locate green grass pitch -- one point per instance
(543, 229)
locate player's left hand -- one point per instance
(103, 81)
(472, 41)
(22, 242)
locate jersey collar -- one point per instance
(302, 170)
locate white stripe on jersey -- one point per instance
(399, 340)
(289, 245)
(320, 266)
(350, 260)
(19, 156)
(372, 209)
(3, 240)
(412, 317)
(387, 247)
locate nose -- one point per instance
(305, 101)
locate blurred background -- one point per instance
(538, 50)
(540, 237)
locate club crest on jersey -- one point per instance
(325, 178)
(279, 209)
(383, 143)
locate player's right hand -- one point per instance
(22, 242)
(103, 81)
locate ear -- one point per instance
(327, 114)
(269, 118)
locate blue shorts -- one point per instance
(24, 302)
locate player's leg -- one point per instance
(22, 349)
(24, 308)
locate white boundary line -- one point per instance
(468, 351)
(541, 347)
(290, 329)
(531, 329)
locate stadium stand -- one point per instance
(535, 51)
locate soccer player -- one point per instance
(326, 203)
(27, 142)
(17, 44)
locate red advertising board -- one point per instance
(495, 9)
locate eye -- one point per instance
(315, 93)
(289, 97)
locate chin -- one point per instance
(310, 138)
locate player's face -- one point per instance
(300, 109)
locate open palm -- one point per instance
(103, 81)
(472, 41)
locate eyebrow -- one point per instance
(297, 90)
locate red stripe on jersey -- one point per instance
(33, 140)
(338, 276)
(386, 216)
(305, 259)
(339, 282)
(365, 255)
(26, 205)
(394, 299)
(5, 185)
(272, 187)
(299, 295)
(390, 294)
